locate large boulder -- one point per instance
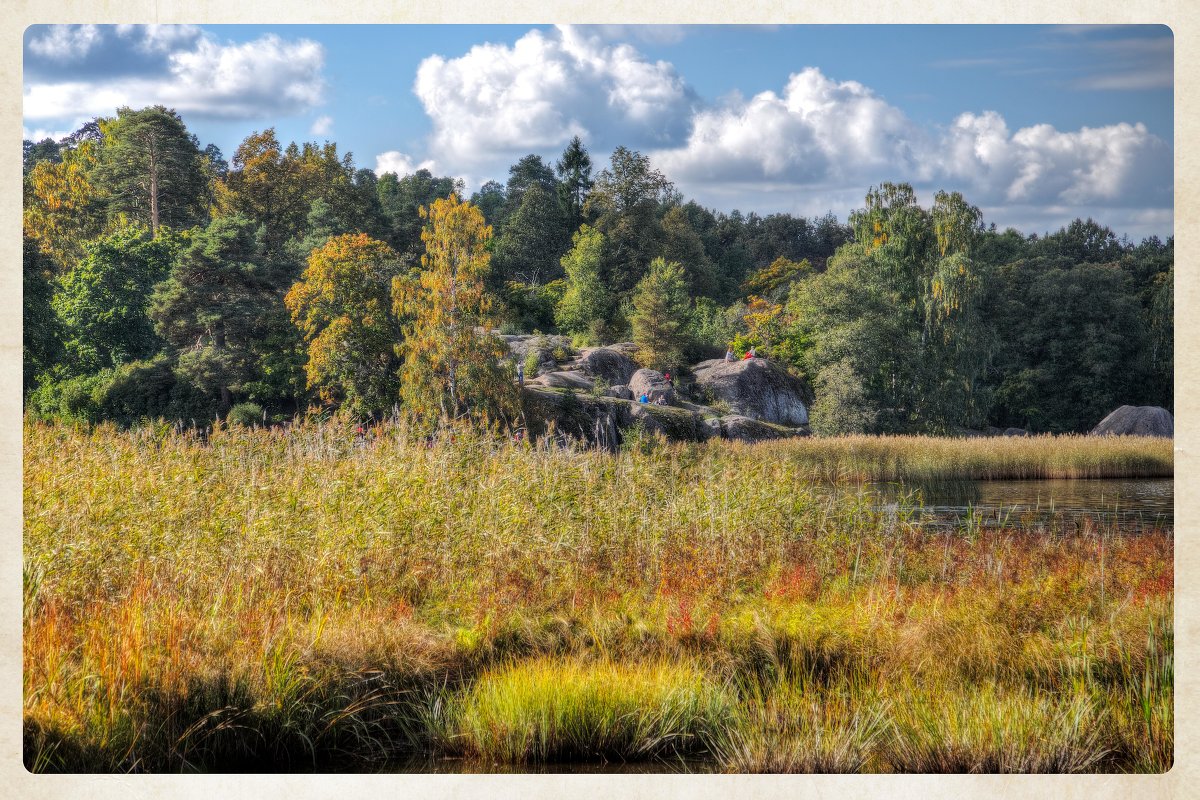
(619, 391)
(565, 380)
(653, 384)
(1137, 421)
(611, 363)
(755, 388)
(745, 429)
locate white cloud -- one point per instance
(1115, 165)
(159, 38)
(401, 164)
(262, 78)
(38, 134)
(821, 135)
(818, 131)
(66, 42)
(546, 88)
(322, 126)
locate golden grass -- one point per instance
(288, 601)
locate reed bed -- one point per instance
(300, 600)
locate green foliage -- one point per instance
(218, 306)
(245, 414)
(101, 303)
(401, 200)
(451, 369)
(660, 312)
(894, 328)
(128, 394)
(625, 205)
(586, 305)
(534, 238)
(531, 307)
(152, 168)
(574, 172)
(343, 307)
(710, 329)
(41, 336)
(1071, 337)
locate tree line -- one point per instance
(161, 280)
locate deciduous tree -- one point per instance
(451, 361)
(343, 307)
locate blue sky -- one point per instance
(1035, 124)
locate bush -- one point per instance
(246, 415)
(127, 394)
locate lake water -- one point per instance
(1127, 503)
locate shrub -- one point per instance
(245, 414)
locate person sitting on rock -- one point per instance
(729, 355)
(645, 398)
(661, 400)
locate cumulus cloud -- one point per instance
(400, 163)
(546, 88)
(820, 134)
(180, 67)
(65, 43)
(817, 131)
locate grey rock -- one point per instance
(653, 384)
(1137, 421)
(746, 429)
(610, 363)
(565, 380)
(755, 388)
(620, 391)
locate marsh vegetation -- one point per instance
(300, 600)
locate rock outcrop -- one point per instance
(565, 380)
(755, 388)
(612, 363)
(653, 384)
(1137, 421)
(605, 421)
(745, 429)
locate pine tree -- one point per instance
(660, 314)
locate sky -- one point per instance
(1036, 125)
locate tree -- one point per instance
(625, 204)
(402, 199)
(533, 240)
(1070, 337)
(343, 307)
(275, 188)
(775, 281)
(683, 245)
(33, 152)
(101, 304)
(40, 332)
(451, 364)
(218, 307)
(574, 171)
(660, 313)
(490, 201)
(63, 207)
(586, 304)
(153, 168)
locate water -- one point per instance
(1129, 504)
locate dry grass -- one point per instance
(288, 601)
